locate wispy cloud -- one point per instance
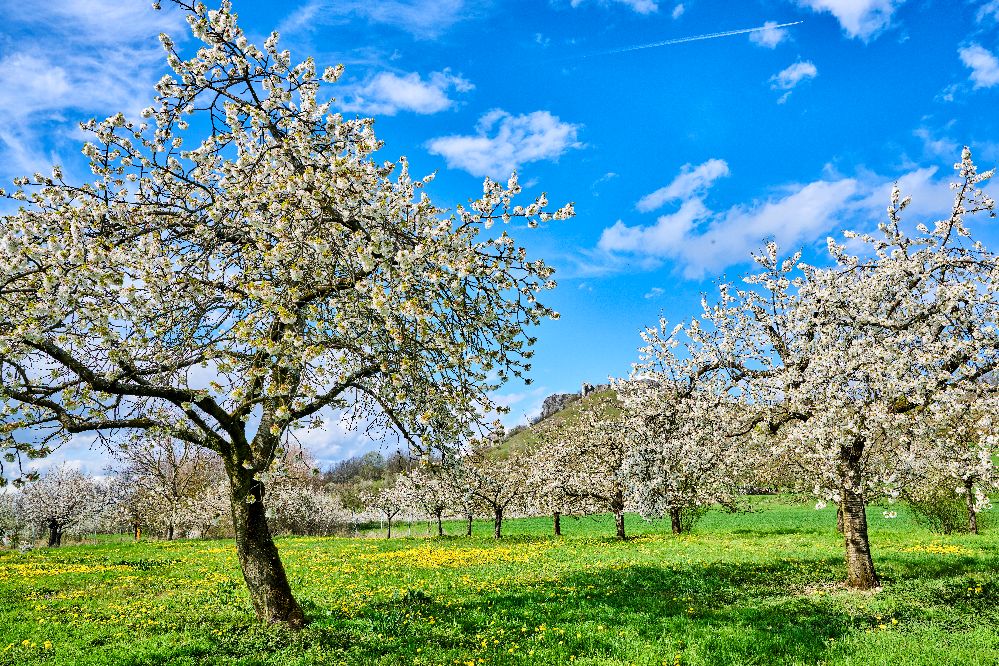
(983, 64)
(861, 19)
(935, 146)
(503, 142)
(70, 60)
(678, 11)
(423, 19)
(639, 6)
(691, 180)
(787, 79)
(388, 93)
(990, 11)
(701, 241)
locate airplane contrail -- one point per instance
(695, 38)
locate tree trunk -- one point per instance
(388, 534)
(138, 531)
(170, 532)
(674, 520)
(557, 522)
(619, 524)
(469, 532)
(440, 525)
(969, 497)
(55, 534)
(498, 523)
(258, 555)
(860, 572)
(617, 506)
(839, 518)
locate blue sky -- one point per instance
(681, 159)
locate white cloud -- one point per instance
(702, 241)
(983, 64)
(96, 21)
(424, 19)
(788, 78)
(989, 10)
(691, 180)
(70, 60)
(770, 37)
(858, 18)
(82, 452)
(387, 93)
(678, 11)
(30, 84)
(640, 6)
(654, 293)
(338, 439)
(937, 147)
(503, 142)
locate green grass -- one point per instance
(754, 588)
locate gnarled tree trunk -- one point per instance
(498, 522)
(675, 522)
(470, 518)
(440, 524)
(969, 497)
(258, 555)
(860, 572)
(557, 522)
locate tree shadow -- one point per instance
(772, 612)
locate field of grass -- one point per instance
(753, 588)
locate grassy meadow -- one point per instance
(762, 587)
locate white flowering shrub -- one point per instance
(579, 465)
(681, 460)
(157, 475)
(296, 507)
(388, 501)
(497, 480)
(62, 501)
(12, 521)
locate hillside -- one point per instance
(527, 437)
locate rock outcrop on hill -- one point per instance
(559, 401)
(555, 403)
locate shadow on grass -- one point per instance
(781, 531)
(725, 612)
